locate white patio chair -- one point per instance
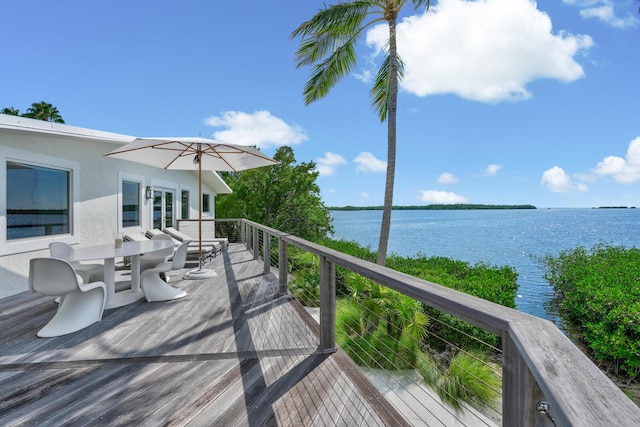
(88, 272)
(152, 259)
(156, 289)
(81, 304)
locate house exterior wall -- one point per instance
(97, 196)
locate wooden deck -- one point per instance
(232, 352)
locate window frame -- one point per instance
(139, 179)
(29, 244)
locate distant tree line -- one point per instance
(457, 206)
(38, 110)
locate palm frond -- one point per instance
(326, 74)
(380, 89)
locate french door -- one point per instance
(163, 208)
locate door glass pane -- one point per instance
(168, 209)
(157, 209)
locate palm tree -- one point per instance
(328, 42)
(10, 111)
(44, 111)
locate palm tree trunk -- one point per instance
(391, 145)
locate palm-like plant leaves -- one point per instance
(380, 90)
(10, 111)
(44, 111)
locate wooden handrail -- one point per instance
(539, 361)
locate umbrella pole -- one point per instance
(200, 206)
(200, 273)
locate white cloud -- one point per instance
(261, 129)
(625, 170)
(367, 162)
(485, 50)
(363, 197)
(492, 169)
(327, 165)
(365, 77)
(440, 197)
(604, 10)
(447, 178)
(557, 180)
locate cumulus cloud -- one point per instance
(261, 129)
(447, 178)
(605, 11)
(440, 197)
(557, 180)
(367, 162)
(624, 170)
(492, 169)
(363, 197)
(327, 165)
(485, 50)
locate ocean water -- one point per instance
(517, 238)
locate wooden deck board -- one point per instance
(232, 352)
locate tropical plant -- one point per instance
(44, 111)
(328, 41)
(383, 329)
(10, 111)
(284, 196)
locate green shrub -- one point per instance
(598, 292)
(304, 283)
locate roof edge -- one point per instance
(24, 124)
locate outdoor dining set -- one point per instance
(83, 290)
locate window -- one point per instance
(130, 203)
(38, 200)
(206, 206)
(185, 204)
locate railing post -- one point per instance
(283, 266)
(266, 251)
(327, 305)
(520, 391)
(256, 245)
(243, 234)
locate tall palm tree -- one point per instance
(328, 43)
(44, 111)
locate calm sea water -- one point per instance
(498, 237)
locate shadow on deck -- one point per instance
(232, 352)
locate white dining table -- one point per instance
(108, 253)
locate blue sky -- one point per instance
(503, 101)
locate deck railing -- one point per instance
(546, 379)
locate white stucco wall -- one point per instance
(99, 182)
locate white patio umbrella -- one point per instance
(189, 153)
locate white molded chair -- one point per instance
(152, 259)
(80, 305)
(88, 272)
(156, 289)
